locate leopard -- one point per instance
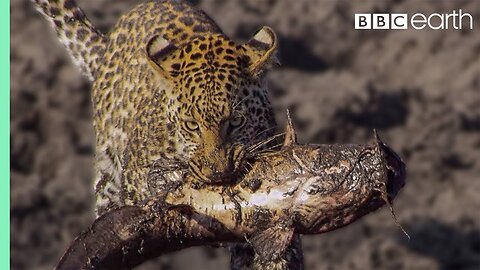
(169, 88)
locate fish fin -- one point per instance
(271, 243)
(290, 133)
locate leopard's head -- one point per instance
(218, 103)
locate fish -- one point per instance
(296, 189)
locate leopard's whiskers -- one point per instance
(256, 146)
(257, 135)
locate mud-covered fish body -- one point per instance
(327, 187)
(305, 189)
(316, 188)
(347, 182)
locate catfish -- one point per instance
(296, 189)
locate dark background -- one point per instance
(420, 89)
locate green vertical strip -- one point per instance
(5, 134)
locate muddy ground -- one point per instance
(420, 89)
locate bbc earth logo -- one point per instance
(436, 21)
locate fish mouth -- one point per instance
(396, 173)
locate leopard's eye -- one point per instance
(237, 121)
(191, 125)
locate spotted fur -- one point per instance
(85, 44)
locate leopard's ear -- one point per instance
(261, 49)
(158, 51)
